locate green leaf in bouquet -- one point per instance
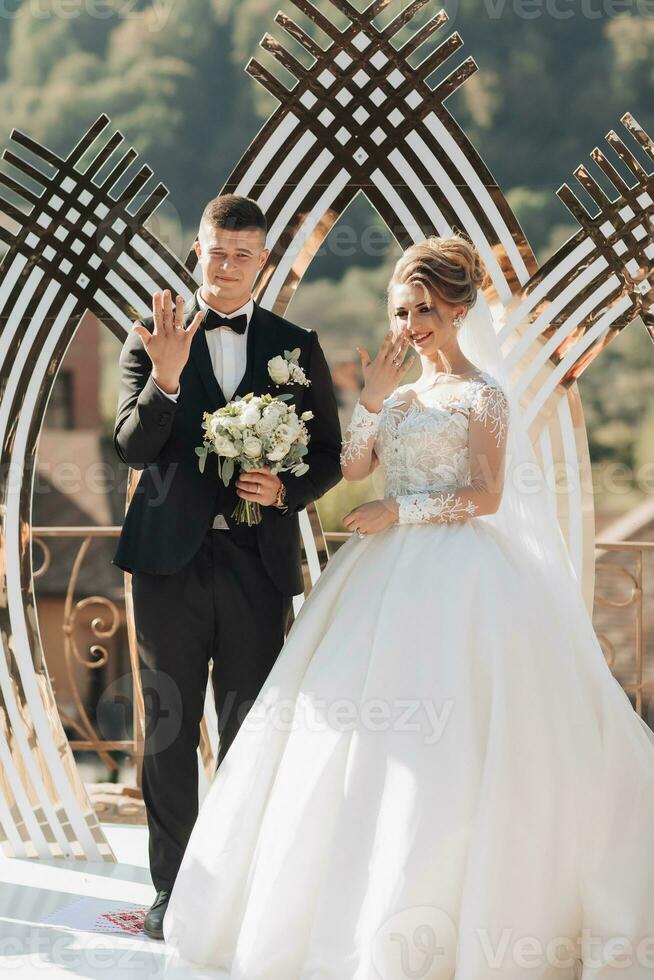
(228, 470)
(202, 453)
(302, 450)
(301, 469)
(287, 396)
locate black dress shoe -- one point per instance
(153, 923)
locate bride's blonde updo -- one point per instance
(449, 268)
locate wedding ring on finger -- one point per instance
(361, 533)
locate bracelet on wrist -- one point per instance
(280, 499)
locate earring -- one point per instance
(457, 321)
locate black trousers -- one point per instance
(221, 606)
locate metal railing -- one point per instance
(634, 600)
(98, 654)
(105, 627)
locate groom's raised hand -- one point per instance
(169, 344)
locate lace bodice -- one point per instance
(423, 445)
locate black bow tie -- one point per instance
(212, 319)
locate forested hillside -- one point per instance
(554, 77)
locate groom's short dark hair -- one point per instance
(234, 213)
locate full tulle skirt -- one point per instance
(440, 778)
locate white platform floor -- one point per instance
(52, 918)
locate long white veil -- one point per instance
(526, 512)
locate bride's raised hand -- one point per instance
(383, 374)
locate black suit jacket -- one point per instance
(174, 504)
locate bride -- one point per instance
(440, 777)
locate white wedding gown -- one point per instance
(440, 777)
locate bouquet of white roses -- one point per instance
(251, 432)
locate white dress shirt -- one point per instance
(227, 348)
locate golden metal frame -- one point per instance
(101, 629)
(362, 119)
(633, 600)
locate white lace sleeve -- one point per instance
(446, 508)
(490, 406)
(361, 430)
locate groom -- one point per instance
(203, 586)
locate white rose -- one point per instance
(278, 452)
(283, 432)
(252, 447)
(278, 370)
(274, 414)
(251, 414)
(266, 425)
(225, 447)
